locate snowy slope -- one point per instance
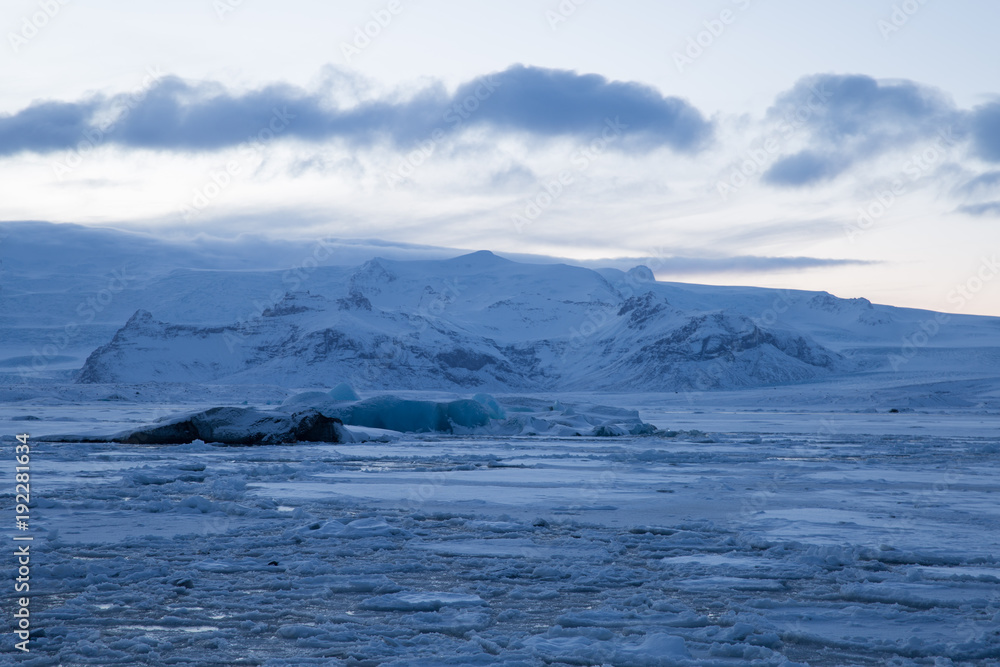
(475, 321)
(65, 289)
(141, 310)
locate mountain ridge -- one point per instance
(479, 321)
(476, 320)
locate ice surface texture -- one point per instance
(740, 548)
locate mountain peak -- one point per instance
(642, 273)
(140, 316)
(480, 258)
(372, 272)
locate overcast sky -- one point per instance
(852, 147)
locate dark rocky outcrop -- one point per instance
(230, 426)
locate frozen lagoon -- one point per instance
(749, 536)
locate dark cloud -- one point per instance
(182, 116)
(177, 115)
(805, 168)
(986, 131)
(850, 118)
(558, 102)
(986, 208)
(45, 126)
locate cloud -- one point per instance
(981, 187)
(986, 208)
(45, 126)
(805, 168)
(748, 264)
(23, 243)
(694, 265)
(180, 116)
(983, 182)
(513, 176)
(785, 232)
(986, 131)
(851, 118)
(552, 102)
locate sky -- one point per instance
(852, 147)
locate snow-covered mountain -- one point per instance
(166, 313)
(475, 321)
(480, 321)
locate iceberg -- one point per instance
(481, 415)
(409, 416)
(344, 392)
